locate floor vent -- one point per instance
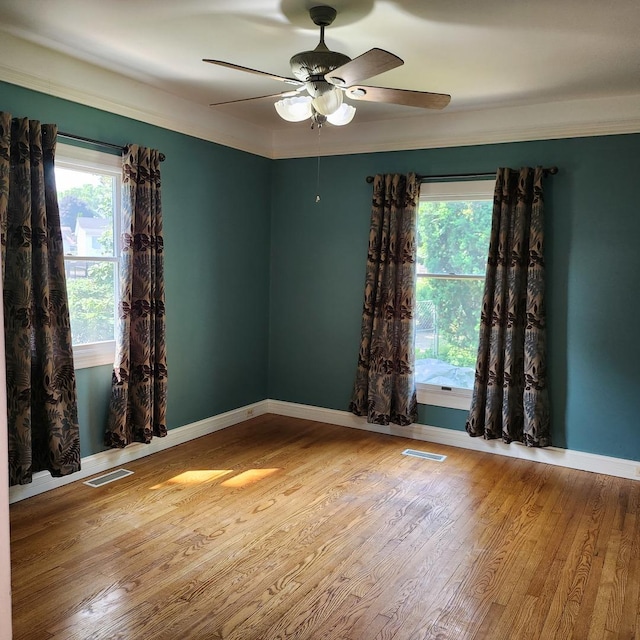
(108, 477)
(424, 454)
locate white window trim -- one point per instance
(94, 354)
(435, 395)
(67, 156)
(443, 396)
(79, 158)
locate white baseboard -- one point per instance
(105, 460)
(550, 455)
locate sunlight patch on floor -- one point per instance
(248, 477)
(197, 476)
(200, 476)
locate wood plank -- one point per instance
(286, 528)
(626, 604)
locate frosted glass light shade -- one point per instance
(328, 102)
(344, 115)
(294, 109)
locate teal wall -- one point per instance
(216, 204)
(264, 286)
(318, 256)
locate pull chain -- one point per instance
(318, 170)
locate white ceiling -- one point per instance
(513, 55)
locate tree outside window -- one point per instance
(453, 241)
(88, 199)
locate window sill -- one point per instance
(94, 355)
(444, 396)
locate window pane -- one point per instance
(447, 326)
(86, 202)
(90, 286)
(453, 236)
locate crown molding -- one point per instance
(546, 121)
(35, 67)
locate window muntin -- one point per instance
(88, 185)
(454, 226)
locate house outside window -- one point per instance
(88, 186)
(454, 227)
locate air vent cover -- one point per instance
(436, 457)
(108, 477)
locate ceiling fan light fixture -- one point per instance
(327, 76)
(295, 109)
(328, 102)
(344, 115)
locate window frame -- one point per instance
(67, 156)
(430, 191)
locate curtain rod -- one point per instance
(547, 171)
(99, 143)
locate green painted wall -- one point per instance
(216, 204)
(264, 291)
(318, 256)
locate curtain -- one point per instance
(137, 409)
(384, 388)
(510, 397)
(42, 406)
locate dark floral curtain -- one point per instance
(41, 386)
(384, 389)
(139, 387)
(510, 397)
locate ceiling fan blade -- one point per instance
(264, 74)
(369, 64)
(422, 99)
(285, 94)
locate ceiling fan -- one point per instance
(324, 77)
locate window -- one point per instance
(454, 227)
(88, 184)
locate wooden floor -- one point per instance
(283, 528)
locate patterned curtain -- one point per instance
(42, 402)
(510, 398)
(139, 386)
(384, 389)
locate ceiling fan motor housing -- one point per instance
(310, 67)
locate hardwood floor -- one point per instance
(284, 528)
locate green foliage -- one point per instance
(91, 304)
(72, 207)
(88, 200)
(454, 239)
(90, 285)
(106, 240)
(453, 236)
(422, 354)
